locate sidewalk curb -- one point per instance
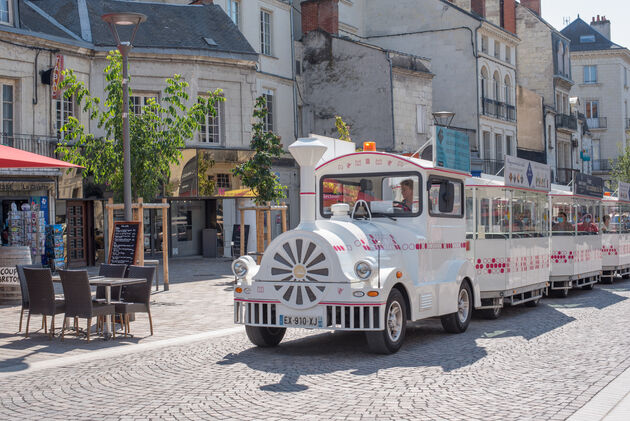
(118, 351)
(610, 404)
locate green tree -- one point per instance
(342, 129)
(621, 168)
(256, 173)
(206, 184)
(157, 135)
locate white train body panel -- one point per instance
(615, 251)
(307, 278)
(506, 264)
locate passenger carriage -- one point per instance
(576, 241)
(508, 228)
(381, 241)
(615, 229)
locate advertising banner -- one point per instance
(588, 185)
(57, 76)
(624, 191)
(527, 174)
(451, 149)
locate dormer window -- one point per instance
(587, 38)
(5, 12)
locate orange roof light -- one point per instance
(369, 146)
(607, 193)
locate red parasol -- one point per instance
(17, 158)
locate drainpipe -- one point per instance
(476, 56)
(295, 122)
(391, 84)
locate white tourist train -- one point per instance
(385, 239)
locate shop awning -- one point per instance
(17, 158)
(236, 193)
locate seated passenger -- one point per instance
(563, 224)
(587, 224)
(406, 188)
(606, 224)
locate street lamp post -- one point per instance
(114, 20)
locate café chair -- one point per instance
(24, 288)
(79, 304)
(113, 271)
(41, 297)
(136, 298)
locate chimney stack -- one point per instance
(533, 5)
(320, 14)
(601, 25)
(307, 152)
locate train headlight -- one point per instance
(242, 266)
(363, 269)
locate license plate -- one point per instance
(301, 321)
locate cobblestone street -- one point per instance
(532, 363)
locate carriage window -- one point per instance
(492, 214)
(446, 198)
(588, 217)
(612, 220)
(563, 218)
(392, 194)
(529, 214)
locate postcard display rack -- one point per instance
(55, 253)
(28, 228)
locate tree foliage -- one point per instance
(206, 184)
(621, 168)
(256, 173)
(157, 134)
(342, 129)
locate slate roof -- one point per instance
(169, 28)
(579, 28)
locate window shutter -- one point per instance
(421, 118)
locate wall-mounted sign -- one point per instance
(451, 149)
(57, 76)
(527, 174)
(25, 186)
(588, 185)
(8, 275)
(624, 191)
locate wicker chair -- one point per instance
(24, 288)
(76, 289)
(114, 271)
(136, 298)
(41, 297)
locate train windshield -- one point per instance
(393, 194)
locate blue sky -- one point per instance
(616, 11)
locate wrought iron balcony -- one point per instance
(565, 175)
(511, 113)
(493, 166)
(597, 123)
(489, 107)
(603, 165)
(566, 122)
(41, 145)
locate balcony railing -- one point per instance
(597, 123)
(41, 145)
(511, 113)
(566, 121)
(493, 166)
(604, 165)
(565, 175)
(498, 109)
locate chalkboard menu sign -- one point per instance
(123, 248)
(588, 185)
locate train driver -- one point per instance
(406, 188)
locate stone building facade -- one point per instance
(210, 54)
(544, 67)
(601, 69)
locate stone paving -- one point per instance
(199, 300)
(539, 363)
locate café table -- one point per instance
(108, 282)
